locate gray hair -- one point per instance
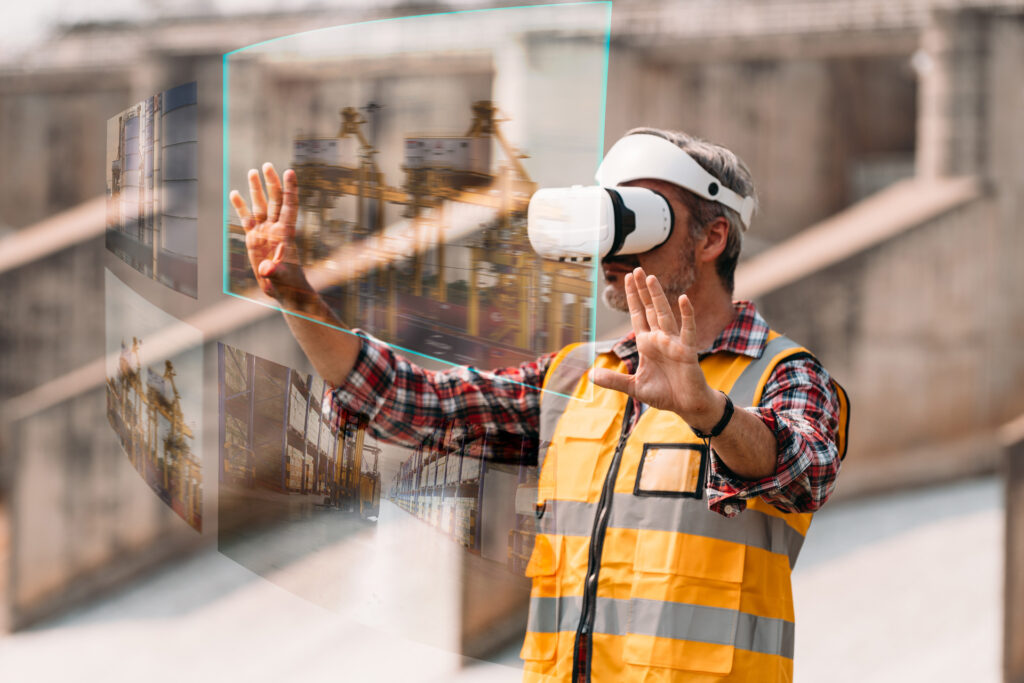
(730, 170)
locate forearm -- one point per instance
(747, 446)
(325, 340)
(407, 404)
(801, 411)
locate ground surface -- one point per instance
(895, 588)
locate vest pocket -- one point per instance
(542, 628)
(580, 441)
(684, 602)
(672, 470)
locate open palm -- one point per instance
(270, 233)
(668, 376)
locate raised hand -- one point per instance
(668, 376)
(270, 236)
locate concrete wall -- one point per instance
(56, 135)
(82, 520)
(905, 327)
(924, 329)
(78, 519)
(803, 125)
(48, 328)
(1004, 154)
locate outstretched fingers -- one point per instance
(637, 314)
(244, 217)
(640, 277)
(688, 326)
(259, 200)
(662, 308)
(290, 208)
(273, 192)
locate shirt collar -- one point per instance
(745, 335)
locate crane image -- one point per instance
(453, 276)
(145, 410)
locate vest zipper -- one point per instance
(582, 651)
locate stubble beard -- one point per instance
(675, 284)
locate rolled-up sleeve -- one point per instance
(407, 405)
(800, 406)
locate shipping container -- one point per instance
(328, 151)
(451, 153)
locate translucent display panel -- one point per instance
(417, 143)
(154, 365)
(421, 541)
(153, 186)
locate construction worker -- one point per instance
(674, 498)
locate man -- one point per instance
(668, 520)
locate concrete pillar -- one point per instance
(1013, 618)
(952, 66)
(5, 563)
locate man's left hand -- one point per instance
(668, 376)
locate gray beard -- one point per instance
(675, 285)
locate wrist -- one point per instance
(298, 299)
(712, 421)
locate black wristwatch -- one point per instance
(721, 425)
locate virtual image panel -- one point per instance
(282, 451)
(420, 541)
(154, 397)
(417, 144)
(153, 187)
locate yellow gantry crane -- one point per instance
(163, 457)
(506, 285)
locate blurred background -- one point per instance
(887, 142)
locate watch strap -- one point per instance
(721, 424)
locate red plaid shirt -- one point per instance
(409, 405)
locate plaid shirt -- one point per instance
(410, 406)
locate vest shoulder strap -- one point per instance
(560, 381)
(749, 386)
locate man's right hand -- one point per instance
(270, 237)
(270, 241)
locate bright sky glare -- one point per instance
(26, 23)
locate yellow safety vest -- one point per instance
(630, 564)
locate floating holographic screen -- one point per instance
(153, 187)
(418, 143)
(154, 366)
(424, 542)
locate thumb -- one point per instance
(609, 379)
(267, 268)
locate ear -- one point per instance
(716, 236)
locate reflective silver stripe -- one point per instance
(752, 527)
(683, 622)
(689, 516)
(712, 625)
(742, 391)
(551, 615)
(569, 517)
(675, 620)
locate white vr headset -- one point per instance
(582, 223)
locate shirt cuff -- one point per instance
(364, 389)
(731, 497)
